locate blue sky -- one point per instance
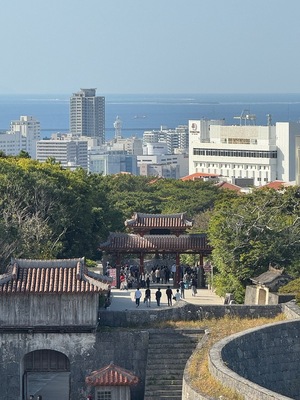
(150, 46)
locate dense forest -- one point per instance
(252, 232)
(49, 212)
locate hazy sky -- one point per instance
(150, 46)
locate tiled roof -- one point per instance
(111, 375)
(159, 221)
(51, 276)
(227, 185)
(277, 185)
(199, 175)
(151, 243)
(268, 277)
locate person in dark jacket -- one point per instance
(169, 294)
(158, 296)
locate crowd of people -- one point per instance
(176, 296)
(130, 277)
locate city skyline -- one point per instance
(170, 46)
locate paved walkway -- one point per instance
(122, 299)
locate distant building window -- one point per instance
(238, 141)
(106, 395)
(235, 153)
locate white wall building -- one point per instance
(155, 149)
(87, 114)
(244, 155)
(23, 135)
(166, 166)
(71, 153)
(175, 139)
(109, 163)
(131, 145)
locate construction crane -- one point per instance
(247, 117)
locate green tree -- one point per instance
(251, 232)
(23, 154)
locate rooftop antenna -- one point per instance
(269, 119)
(247, 117)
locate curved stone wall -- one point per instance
(188, 392)
(261, 363)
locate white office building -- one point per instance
(164, 166)
(132, 145)
(155, 149)
(176, 139)
(23, 135)
(69, 152)
(87, 114)
(110, 163)
(245, 155)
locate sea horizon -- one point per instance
(140, 112)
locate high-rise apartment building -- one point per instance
(23, 135)
(87, 114)
(177, 139)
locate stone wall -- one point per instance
(184, 312)
(86, 352)
(260, 361)
(273, 298)
(188, 392)
(126, 348)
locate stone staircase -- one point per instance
(168, 352)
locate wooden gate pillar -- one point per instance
(201, 275)
(177, 277)
(141, 264)
(118, 268)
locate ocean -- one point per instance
(146, 112)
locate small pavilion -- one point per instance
(157, 234)
(112, 382)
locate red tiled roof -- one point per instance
(199, 175)
(152, 243)
(159, 221)
(51, 276)
(227, 185)
(111, 375)
(277, 185)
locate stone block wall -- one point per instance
(184, 312)
(86, 352)
(261, 363)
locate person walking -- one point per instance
(181, 287)
(157, 275)
(148, 282)
(194, 287)
(169, 294)
(148, 297)
(137, 296)
(158, 296)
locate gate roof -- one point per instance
(132, 243)
(160, 221)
